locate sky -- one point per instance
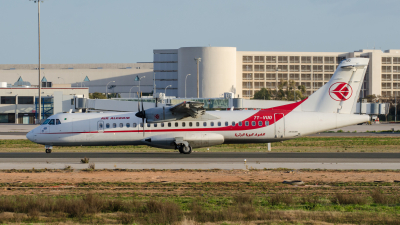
(127, 31)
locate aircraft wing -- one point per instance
(193, 109)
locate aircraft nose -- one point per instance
(29, 135)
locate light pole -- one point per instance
(185, 83)
(62, 79)
(138, 79)
(395, 108)
(198, 60)
(106, 88)
(40, 81)
(130, 90)
(166, 89)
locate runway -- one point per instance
(201, 160)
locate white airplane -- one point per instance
(187, 125)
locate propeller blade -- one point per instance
(144, 115)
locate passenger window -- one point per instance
(253, 123)
(141, 124)
(51, 122)
(190, 124)
(205, 124)
(134, 125)
(212, 124)
(266, 123)
(100, 125)
(121, 125)
(169, 124)
(162, 124)
(128, 125)
(149, 124)
(259, 123)
(114, 125)
(58, 121)
(233, 123)
(240, 123)
(107, 125)
(226, 123)
(176, 124)
(247, 123)
(155, 125)
(197, 124)
(183, 124)
(219, 124)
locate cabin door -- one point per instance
(279, 121)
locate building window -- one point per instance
(396, 77)
(305, 68)
(259, 59)
(247, 93)
(46, 84)
(294, 76)
(306, 84)
(329, 60)
(270, 59)
(327, 76)
(396, 93)
(25, 100)
(247, 68)
(396, 69)
(247, 59)
(386, 86)
(317, 60)
(282, 59)
(386, 69)
(271, 76)
(271, 68)
(247, 76)
(386, 93)
(306, 59)
(386, 60)
(282, 76)
(396, 60)
(317, 68)
(259, 68)
(248, 85)
(283, 68)
(258, 76)
(317, 77)
(294, 59)
(294, 68)
(396, 85)
(329, 68)
(305, 76)
(258, 85)
(386, 77)
(7, 99)
(270, 85)
(318, 84)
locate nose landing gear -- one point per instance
(48, 148)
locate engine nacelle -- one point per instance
(195, 140)
(164, 114)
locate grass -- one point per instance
(150, 203)
(305, 144)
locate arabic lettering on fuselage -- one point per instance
(115, 118)
(249, 135)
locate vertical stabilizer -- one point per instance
(341, 92)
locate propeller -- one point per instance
(141, 113)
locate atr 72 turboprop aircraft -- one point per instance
(187, 125)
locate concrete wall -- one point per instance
(217, 71)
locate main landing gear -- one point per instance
(48, 148)
(183, 149)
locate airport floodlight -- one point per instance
(185, 83)
(137, 78)
(166, 89)
(107, 86)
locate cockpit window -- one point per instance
(51, 122)
(46, 122)
(58, 121)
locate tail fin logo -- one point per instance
(340, 91)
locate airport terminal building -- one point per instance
(224, 69)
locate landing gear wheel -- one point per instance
(185, 150)
(180, 150)
(48, 150)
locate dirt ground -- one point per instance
(199, 176)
